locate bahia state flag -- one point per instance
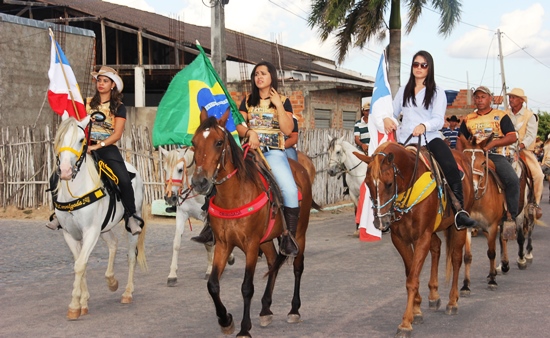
(194, 87)
(380, 108)
(63, 93)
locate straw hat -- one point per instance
(519, 93)
(366, 106)
(111, 74)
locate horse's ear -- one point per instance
(342, 139)
(362, 157)
(224, 118)
(204, 114)
(329, 138)
(163, 151)
(64, 116)
(390, 157)
(84, 122)
(463, 141)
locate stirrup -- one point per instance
(462, 227)
(292, 252)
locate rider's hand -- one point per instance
(253, 139)
(419, 130)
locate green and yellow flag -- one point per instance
(194, 87)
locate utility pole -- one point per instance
(501, 57)
(217, 36)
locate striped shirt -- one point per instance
(361, 129)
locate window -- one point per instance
(322, 118)
(349, 119)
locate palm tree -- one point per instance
(355, 22)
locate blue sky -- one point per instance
(466, 58)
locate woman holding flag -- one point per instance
(108, 120)
(422, 104)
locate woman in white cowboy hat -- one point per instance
(108, 120)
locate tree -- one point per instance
(356, 22)
(544, 125)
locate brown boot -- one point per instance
(53, 224)
(206, 236)
(288, 246)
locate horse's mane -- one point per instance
(376, 164)
(246, 168)
(332, 143)
(64, 127)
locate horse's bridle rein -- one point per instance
(483, 174)
(221, 162)
(343, 168)
(80, 154)
(375, 202)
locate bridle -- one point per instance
(182, 195)
(483, 173)
(80, 154)
(340, 164)
(376, 201)
(221, 161)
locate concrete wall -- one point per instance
(24, 64)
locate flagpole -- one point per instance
(64, 75)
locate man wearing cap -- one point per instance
(361, 129)
(482, 123)
(451, 132)
(527, 123)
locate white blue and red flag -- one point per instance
(380, 108)
(63, 93)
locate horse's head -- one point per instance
(381, 180)
(211, 142)
(178, 167)
(70, 146)
(478, 159)
(336, 155)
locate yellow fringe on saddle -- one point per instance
(421, 189)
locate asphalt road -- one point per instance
(349, 288)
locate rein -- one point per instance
(484, 173)
(182, 194)
(80, 153)
(343, 167)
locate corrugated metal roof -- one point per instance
(256, 49)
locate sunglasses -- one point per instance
(423, 65)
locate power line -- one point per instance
(523, 49)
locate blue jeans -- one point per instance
(280, 168)
(292, 153)
(511, 182)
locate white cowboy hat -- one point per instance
(519, 93)
(111, 74)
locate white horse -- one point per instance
(178, 167)
(342, 161)
(83, 206)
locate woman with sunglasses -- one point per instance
(108, 118)
(422, 104)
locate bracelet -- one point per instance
(246, 134)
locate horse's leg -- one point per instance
(84, 295)
(465, 291)
(455, 244)
(209, 257)
(81, 251)
(225, 319)
(504, 261)
(529, 248)
(181, 217)
(247, 288)
(434, 300)
(272, 259)
(127, 296)
(492, 254)
(521, 261)
(112, 242)
(294, 315)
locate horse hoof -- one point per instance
(231, 260)
(293, 318)
(403, 333)
(492, 285)
(83, 311)
(113, 286)
(522, 264)
(229, 329)
(266, 320)
(418, 319)
(505, 268)
(434, 304)
(73, 314)
(451, 310)
(172, 282)
(126, 299)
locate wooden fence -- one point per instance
(27, 160)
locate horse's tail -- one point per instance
(141, 260)
(277, 265)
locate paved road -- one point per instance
(350, 289)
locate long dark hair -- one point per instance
(429, 82)
(254, 97)
(114, 102)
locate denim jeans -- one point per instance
(280, 168)
(292, 153)
(511, 182)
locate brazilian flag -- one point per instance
(195, 87)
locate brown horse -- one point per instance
(407, 198)
(221, 162)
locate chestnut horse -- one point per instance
(239, 188)
(407, 198)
